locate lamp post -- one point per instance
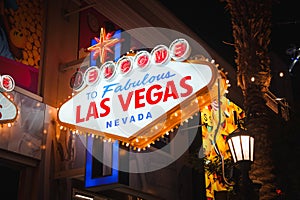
(241, 146)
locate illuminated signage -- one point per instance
(7, 83)
(8, 110)
(141, 96)
(113, 177)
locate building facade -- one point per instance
(47, 44)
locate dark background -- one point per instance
(212, 22)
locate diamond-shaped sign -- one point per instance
(140, 97)
(130, 106)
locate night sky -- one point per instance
(211, 21)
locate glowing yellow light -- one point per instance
(281, 74)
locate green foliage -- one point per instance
(211, 166)
(214, 166)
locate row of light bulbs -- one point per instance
(137, 140)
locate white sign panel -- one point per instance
(126, 104)
(8, 110)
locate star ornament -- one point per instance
(103, 45)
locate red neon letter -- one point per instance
(158, 95)
(92, 111)
(0, 112)
(125, 66)
(170, 91)
(92, 76)
(160, 55)
(142, 60)
(138, 97)
(126, 104)
(105, 107)
(78, 119)
(179, 49)
(183, 84)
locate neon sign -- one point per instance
(142, 96)
(8, 110)
(7, 83)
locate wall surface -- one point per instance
(60, 47)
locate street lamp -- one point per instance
(241, 146)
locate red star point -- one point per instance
(103, 45)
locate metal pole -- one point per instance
(247, 190)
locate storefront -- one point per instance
(22, 143)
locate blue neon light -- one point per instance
(113, 178)
(92, 61)
(118, 45)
